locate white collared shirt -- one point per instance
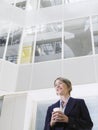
(63, 107)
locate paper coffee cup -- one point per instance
(56, 109)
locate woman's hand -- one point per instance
(58, 116)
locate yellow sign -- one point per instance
(26, 54)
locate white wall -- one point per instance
(24, 77)
(0, 65)
(81, 70)
(44, 74)
(36, 76)
(8, 75)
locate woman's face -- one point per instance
(61, 88)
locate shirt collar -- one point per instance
(65, 100)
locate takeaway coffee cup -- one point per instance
(56, 109)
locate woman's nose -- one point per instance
(58, 86)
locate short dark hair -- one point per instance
(66, 81)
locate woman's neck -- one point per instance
(64, 97)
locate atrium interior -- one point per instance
(41, 40)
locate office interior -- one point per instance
(41, 40)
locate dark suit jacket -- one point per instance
(76, 110)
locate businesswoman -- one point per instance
(72, 114)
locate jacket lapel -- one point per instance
(57, 104)
(69, 105)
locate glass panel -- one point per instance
(18, 3)
(1, 103)
(4, 27)
(48, 43)
(73, 1)
(21, 4)
(32, 5)
(42, 107)
(13, 44)
(77, 38)
(95, 32)
(28, 43)
(9, 1)
(48, 3)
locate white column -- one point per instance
(18, 112)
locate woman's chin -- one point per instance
(60, 94)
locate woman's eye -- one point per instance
(60, 83)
